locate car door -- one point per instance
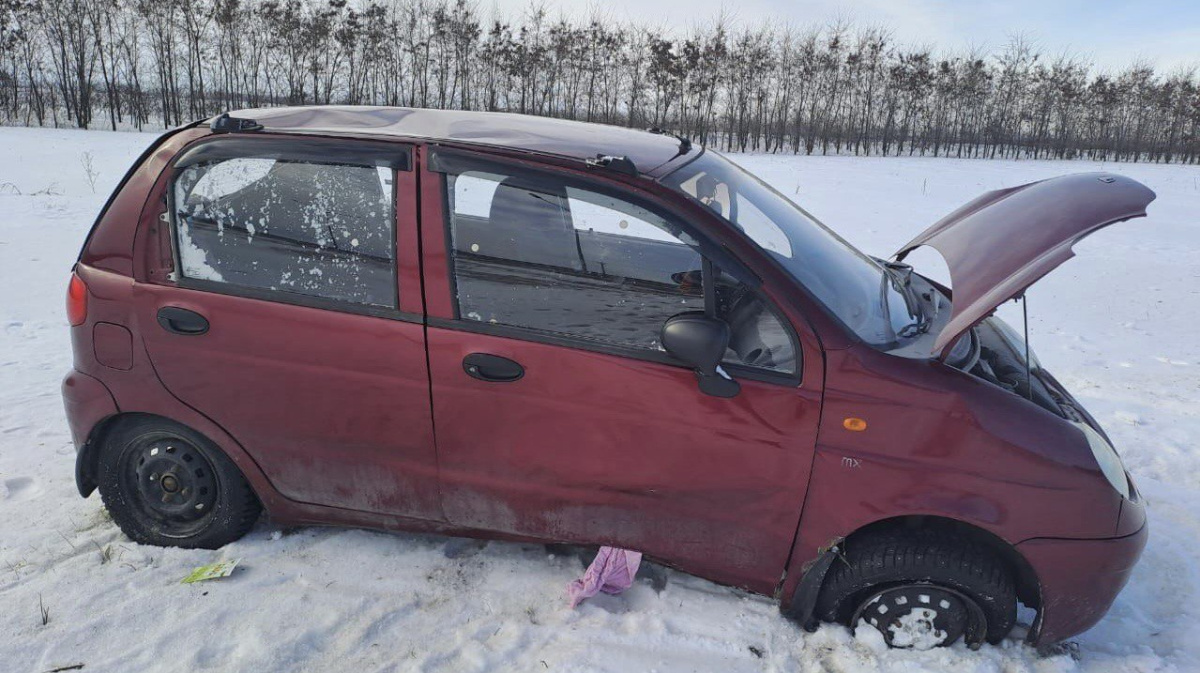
(557, 414)
(294, 318)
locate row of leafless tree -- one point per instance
(834, 89)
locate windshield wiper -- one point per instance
(902, 274)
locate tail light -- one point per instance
(77, 298)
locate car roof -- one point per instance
(654, 154)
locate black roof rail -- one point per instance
(685, 143)
(622, 165)
(226, 124)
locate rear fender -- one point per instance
(88, 404)
(138, 388)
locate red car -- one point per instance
(513, 327)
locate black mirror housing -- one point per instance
(696, 339)
(700, 341)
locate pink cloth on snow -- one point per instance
(612, 572)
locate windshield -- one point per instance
(857, 289)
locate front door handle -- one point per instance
(492, 368)
(182, 321)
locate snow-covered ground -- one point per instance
(1119, 325)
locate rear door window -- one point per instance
(307, 228)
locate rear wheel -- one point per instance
(921, 590)
(167, 485)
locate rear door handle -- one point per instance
(494, 368)
(182, 321)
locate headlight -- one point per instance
(1109, 461)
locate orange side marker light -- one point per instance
(854, 424)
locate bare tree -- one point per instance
(776, 88)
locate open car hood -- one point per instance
(1002, 242)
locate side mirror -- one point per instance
(701, 341)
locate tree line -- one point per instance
(835, 88)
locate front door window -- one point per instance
(541, 253)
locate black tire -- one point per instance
(202, 500)
(879, 562)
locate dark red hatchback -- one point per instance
(505, 326)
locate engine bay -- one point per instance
(994, 352)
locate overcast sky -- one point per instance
(1112, 33)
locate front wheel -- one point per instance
(921, 590)
(169, 486)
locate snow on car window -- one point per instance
(193, 259)
(385, 182)
(230, 176)
(315, 229)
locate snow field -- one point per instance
(1118, 325)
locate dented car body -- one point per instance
(503, 326)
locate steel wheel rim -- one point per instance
(922, 616)
(171, 484)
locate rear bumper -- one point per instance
(1079, 580)
(87, 402)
